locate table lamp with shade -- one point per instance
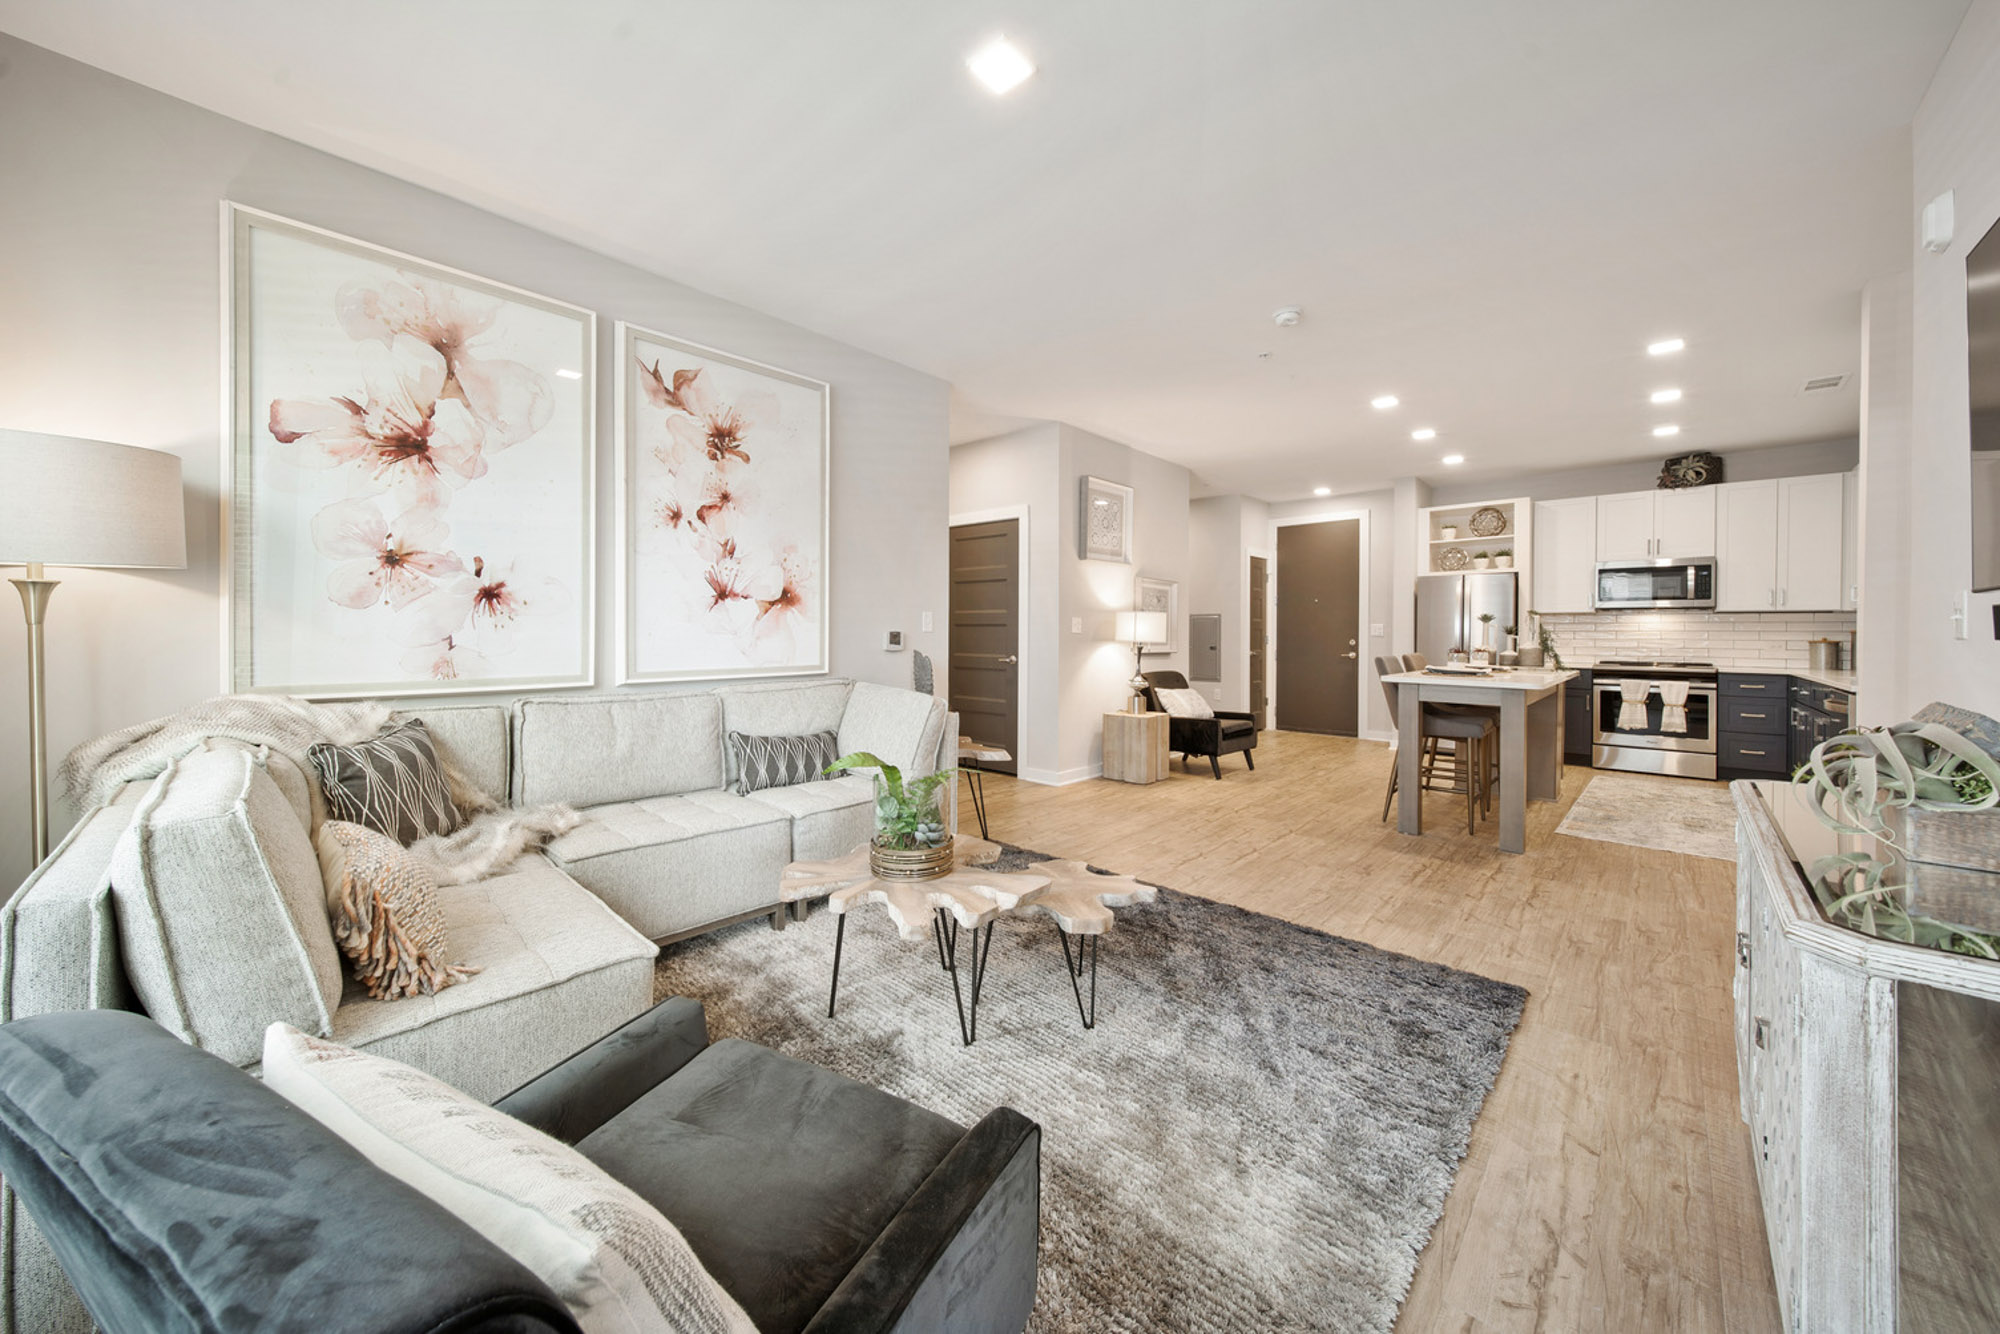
(78, 502)
(1140, 628)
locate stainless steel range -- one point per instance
(1654, 717)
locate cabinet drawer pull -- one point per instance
(1758, 1030)
(1745, 750)
(1748, 714)
(1743, 948)
(1748, 685)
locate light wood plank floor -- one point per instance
(1609, 1183)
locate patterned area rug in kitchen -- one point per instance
(1673, 814)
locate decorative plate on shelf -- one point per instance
(1452, 558)
(1488, 522)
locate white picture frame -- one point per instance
(1149, 594)
(382, 407)
(741, 591)
(1104, 521)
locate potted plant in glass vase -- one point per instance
(913, 825)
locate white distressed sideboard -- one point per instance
(1869, 1073)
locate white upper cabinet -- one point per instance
(1565, 564)
(1684, 522)
(1781, 545)
(1644, 525)
(1811, 520)
(1625, 526)
(1746, 546)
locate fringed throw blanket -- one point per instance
(491, 838)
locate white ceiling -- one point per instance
(1485, 208)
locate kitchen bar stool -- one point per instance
(1416, 662)
(1473, 737)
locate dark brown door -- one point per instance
(985, 631)
(1319, 625)
(1260, 636)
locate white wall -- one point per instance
(1882, 503)
(1804, 459)
(1954, 147)
(1224, 532)
(1377, 604)
(1023, 471)
(110, 328)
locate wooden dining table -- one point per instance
(1531, 739)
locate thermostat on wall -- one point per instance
(893, 641)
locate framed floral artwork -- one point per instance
(1163, 595)
(722, 514)
(410, 481)
(1104, 521)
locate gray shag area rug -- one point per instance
(1258, 1135)
(1673, 814)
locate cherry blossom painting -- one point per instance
(722, 506)
(411, 473)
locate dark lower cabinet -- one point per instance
(1817, 713)
(1578, 723)
(1751, 740)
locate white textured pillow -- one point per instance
(619, 1266)
(1184, 703)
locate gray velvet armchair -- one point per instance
(179, 1193)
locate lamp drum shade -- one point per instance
(89, 502)
(1142, 627)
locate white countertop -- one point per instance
(1832, 680)
(1503, 678)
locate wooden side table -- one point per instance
(1135, 747)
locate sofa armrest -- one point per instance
(576, 1097)
(961, 1253)
(178, 1192)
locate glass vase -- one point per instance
(913, 829)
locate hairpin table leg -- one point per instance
(839, 937)
(1075, 970)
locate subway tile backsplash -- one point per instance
(1727, 638)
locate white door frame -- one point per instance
(1023, 628)
(1361, 729)
(1270, 557)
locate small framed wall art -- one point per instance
(409, 484)
(1163, 595)
(722, 514)
(1104, 521)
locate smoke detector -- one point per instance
(1285, 317)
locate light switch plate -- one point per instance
(927, 622)
(1076, 625)
(1375, 629)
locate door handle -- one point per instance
(1010, 659)
(1743, 948)
(1350, 655)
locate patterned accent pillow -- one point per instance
(780, 761)
(384, 908)
(1184, 703)
(611, 1257)
(393, 783)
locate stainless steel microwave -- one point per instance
(1661, 582)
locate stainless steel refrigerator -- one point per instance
(1449, 607)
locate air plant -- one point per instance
(906, 812)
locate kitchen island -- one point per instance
(1531, 739)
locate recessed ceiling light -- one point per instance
(1384, 402)
(1665, 347)
(570, 375)
(1000, 65)
(1666, 395)
(1322, 490)
(1452, 460)
(1667, 430)
(1424, 433)
(1287, 317)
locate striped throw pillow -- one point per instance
(780, 761)
(393, 784)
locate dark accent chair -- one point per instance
(178, 1192)
(1225, 734)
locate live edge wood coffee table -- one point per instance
(1077, 899)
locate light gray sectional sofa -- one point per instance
(118, 917)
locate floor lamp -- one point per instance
(78, 502)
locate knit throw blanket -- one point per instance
(492, 837)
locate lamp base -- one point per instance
(35, 592)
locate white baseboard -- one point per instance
(1388, 737)
(1062, 777)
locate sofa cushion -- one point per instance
(558, 970)
(382, 900)
(671, 864)
(779, 1173)
(221, 911)
(782, 709)
(392, 783)
(589, 752)
(476, 741)
(900, 726)
(829, 819)
(617, 1264)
